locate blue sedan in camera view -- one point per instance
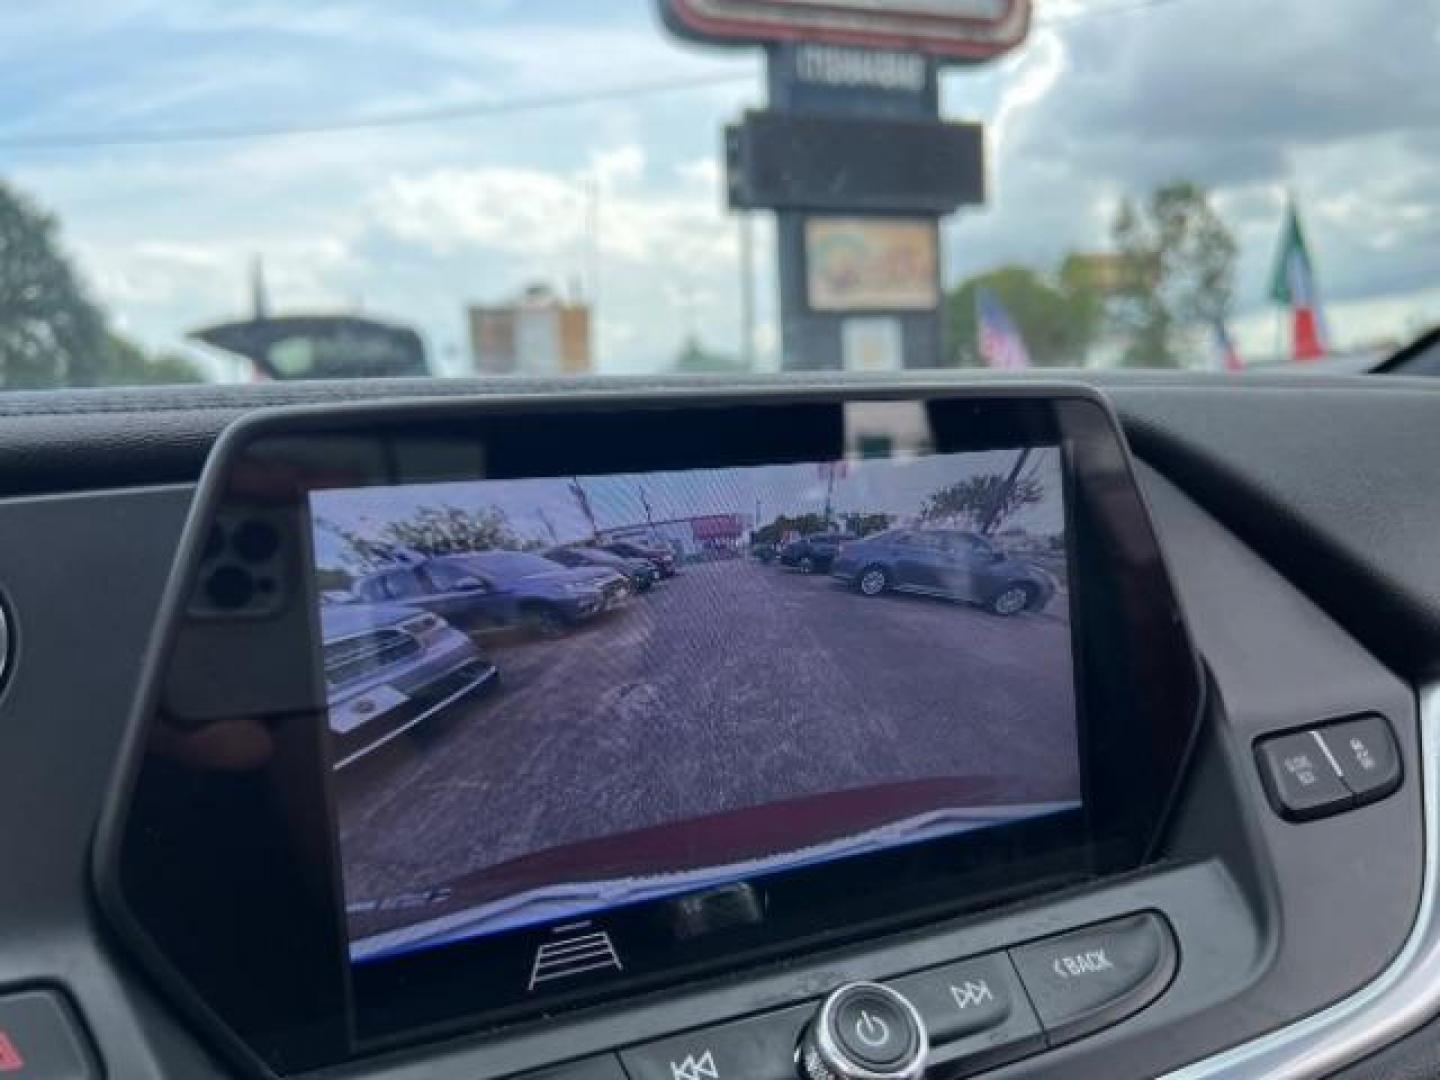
(948, 563)
(487, 590)
(389, 669)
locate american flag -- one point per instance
(1225, 350)
(1001, 345)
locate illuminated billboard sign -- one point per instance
(871, 264)
(957, 31)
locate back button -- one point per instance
(1085, 980)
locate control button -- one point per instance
(874, 1028)
(961, 999)
(1085, 980)
(1300, 776)
(40, 1041)
(761, 1048)
(976, 1013)
(865, 1031)
(1367, 755)
(600, 1068)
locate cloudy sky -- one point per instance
(621, 195)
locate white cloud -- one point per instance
(510, 211)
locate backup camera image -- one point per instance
(551, 697)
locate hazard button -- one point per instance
(40, 1040)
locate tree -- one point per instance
(865, 524)
(127, 364)
(1057, 321)
(51, 333)
(990, 495)
(330, 579)
(430, 531)
(695, 359)
(1185, 260)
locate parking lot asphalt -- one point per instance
(732, 685)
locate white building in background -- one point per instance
(539, 333)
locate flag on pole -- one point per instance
(1225, 351)
(1292, 283)
(1000, 343)
(582, 498)
(830, 471)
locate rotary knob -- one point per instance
(865, 1031)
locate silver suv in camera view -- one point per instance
(390, 668)
(944, 562)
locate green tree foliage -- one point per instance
(695, 359)
(330, 579)
(1058, 321)
(865, 524)
(127, 364)
(51, 334)
(990, 495)
(431, 530)
(1185, 260)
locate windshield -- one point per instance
(248, 190)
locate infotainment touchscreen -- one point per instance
(552, 699)
(466, 713)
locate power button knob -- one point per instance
(865, 1031)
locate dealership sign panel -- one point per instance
(954, 31)
(871, 264)
(789, 161)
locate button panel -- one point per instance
(1322, 771)
(978, 1013)
(40, 1041)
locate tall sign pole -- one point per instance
(827, 260)
(853, 157)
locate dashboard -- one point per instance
(824, 728)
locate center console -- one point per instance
(515, 722)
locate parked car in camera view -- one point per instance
(944, 562)
(765, 552)
(662, 558)
(813, 554)
(493, 589)
(641, 573)
(389, 669)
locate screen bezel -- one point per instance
(1106, 519)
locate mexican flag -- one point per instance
(1292, 283)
